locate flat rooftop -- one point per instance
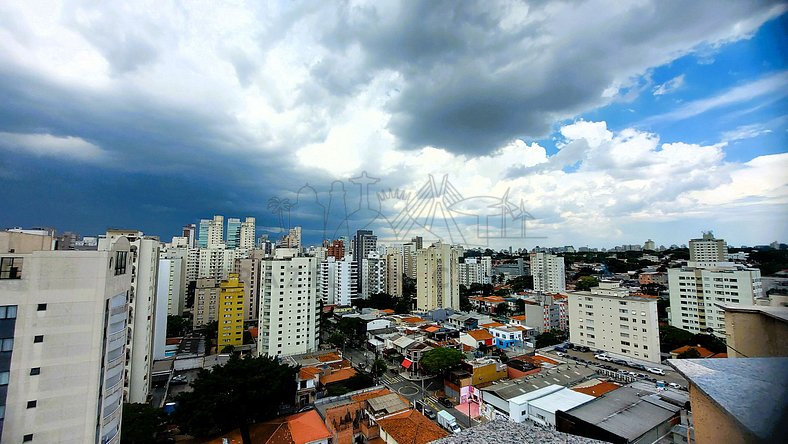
(779, 313)
(751, 390)
(565, 375)
(605, 296)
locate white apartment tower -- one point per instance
(373, 279)
(63, 327)
(438, 277)
(696, 293)
(247, 234)
(142, 303)
(608, 318)
(338, 281)
(289, 310)
(548, 272)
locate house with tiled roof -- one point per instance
(703, 352)
(409, 427)
(476, 338)
(300, 428)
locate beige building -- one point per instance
(20, 242)
(63, 333)
(608, 318)
(289, 310)
(247, 236)
(438, 277)
(206, 301)
(548, 272)
(394, 271)
(707, 251)
(756, 331)
(249, 273)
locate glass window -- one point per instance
(4, 378)
(6, 344)
(11, 267)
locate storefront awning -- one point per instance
(407, 363)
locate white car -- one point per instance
(656, 371)
(602, 357)
(674, 385)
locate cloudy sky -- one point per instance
(597, 123)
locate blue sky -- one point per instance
(607, 122)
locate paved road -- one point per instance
(670, 375)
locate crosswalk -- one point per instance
(433, 402)
(389, 379)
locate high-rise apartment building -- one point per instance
(230, 313)
(249, 273)
(438, 277)
(475, 271)
(548, 272)
(409, 260)
(216, 262)
(696, 294)
(338, 281)
(374, 275)
(394, 272)
(142, 308)
(336, 249)
(608, 318)
(363, 243)
(246, 236)
(292, 239)
(707, 251)
(172, 284)
(650, 245)
(233, 232)
(289, 310)
(206, 301)
(190, 233)
(63, 327)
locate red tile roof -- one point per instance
(704, 353)
(339, 375)
(491, 324)
(307, 427)
(519, 317)
(432, 329)
(328, 357)
(307, 373)
(301, 428)
(411, 427)
(598, 389)
(480, 335)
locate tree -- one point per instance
(502, 309)
(378, 367)
(337, 339)
(689, 354)
(520, 305)
(227, 349)
(408, 285)
(177, 326)
(438, 360)
(140, 422)
(547, 339)
(241, 392)
(586, 282)
(465, 303)
(671, 338)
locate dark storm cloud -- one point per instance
(475, 77)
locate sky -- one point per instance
(495, 123)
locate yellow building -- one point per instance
(230, 312)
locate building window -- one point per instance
(8, 312)
(35, 371)
(120, 262)
(4, 378)
(11, 267)
(42, 307)
(38, 338)
(7, 345)
(27, 438)
(32, 404)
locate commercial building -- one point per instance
(696, 293)
(233, 232)
(289, 311)
(142, 309)
(230, 312)
(548, 272)
(63, 332)
(438, 277)
(608, 318)
(622, 416)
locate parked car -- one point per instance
(675, 386)
(602, 357)
(656, 371)
(641, 375)
(561, 354)
(559, 349)
(569, 345)
(582, 349)
(446, 402)
(618, 361)
(637, 366)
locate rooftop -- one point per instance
(480, 335)
(736, 385)
(387, 404)
(598, 389)
(565, 375)
(339, 375)
(704, 353)
(625, 412)
(411, 427)
(779, 313)
(505, 431)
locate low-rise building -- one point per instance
(477, 338)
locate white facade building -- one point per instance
(438, 277)
(374, 275)
(142, 303)
(338, 281)
(695, 294)
(63, 327)
(394, 272)
(247, 236)
(548, 272)
(707, 251)
(289, 312)
(608, 318)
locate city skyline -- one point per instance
(118, 118)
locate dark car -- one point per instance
(569, 345)
(619, 362)
(429, 413)
(638, 366)
(446, 402)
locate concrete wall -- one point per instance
(712, 425)
(755, 335)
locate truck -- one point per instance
(447, 421)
